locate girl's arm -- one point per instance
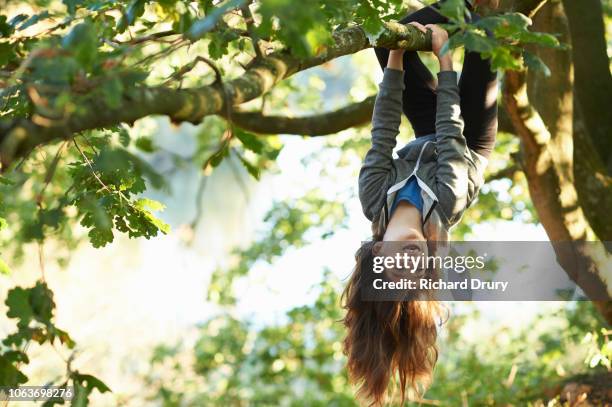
(452, 166)
(377, 171)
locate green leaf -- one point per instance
(145, 203)
(52, 217)
(82, 41)
(18, 303)
(4, 268)
(18, 19)
(9, 374)
(478, 43)
(249, 140)
(542, 39)
(517, 20)
(145, 144)
(454, 10)
(124, 136)
(100, 237)
(6, 53)
(16, 356)
(112, 91)
(218, 156)
(5, 28)
(135, 9)
(34, 20)
(72, 5)
(90, 382)
(41, 302)
(204, 25)
(534, 62)
(251, 168)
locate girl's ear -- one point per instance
(377, 248)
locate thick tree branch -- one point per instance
(593, 81)
(555, 197)
(356, 114)
(323, 124)
(556, 100)
(18, 137)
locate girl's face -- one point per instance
(407, 258)
(403, 237)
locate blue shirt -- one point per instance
(410, 192)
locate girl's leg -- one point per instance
(419, 97)
(478, 88)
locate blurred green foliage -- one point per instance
(299, 362)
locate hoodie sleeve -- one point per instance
(377, 171)
(452, 166)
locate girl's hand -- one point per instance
(439, 37)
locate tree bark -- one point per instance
(593, 84)
(592, 124)
(356, 114)
(542, 110)
(555, 199)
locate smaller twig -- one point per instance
(151, 37)
(93, 172)
(198, 202)
(189, 67)
(176, 44)
(41, 260)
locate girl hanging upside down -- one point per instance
(415, 199)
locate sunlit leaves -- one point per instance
(71, 5)
(10, 375)
(230, 355)
(454, 10)
(502, 38)
(34, 309)
(263, 151)
(84, 385)
(109, 181)
(4, 268)
(200, 27)
(134, 10)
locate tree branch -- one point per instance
(322, 124)
(593, 81)
(18, 137)
(249, 21)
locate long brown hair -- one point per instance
(387, 340)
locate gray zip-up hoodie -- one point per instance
(448, 172)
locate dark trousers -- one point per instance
(478, 89)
